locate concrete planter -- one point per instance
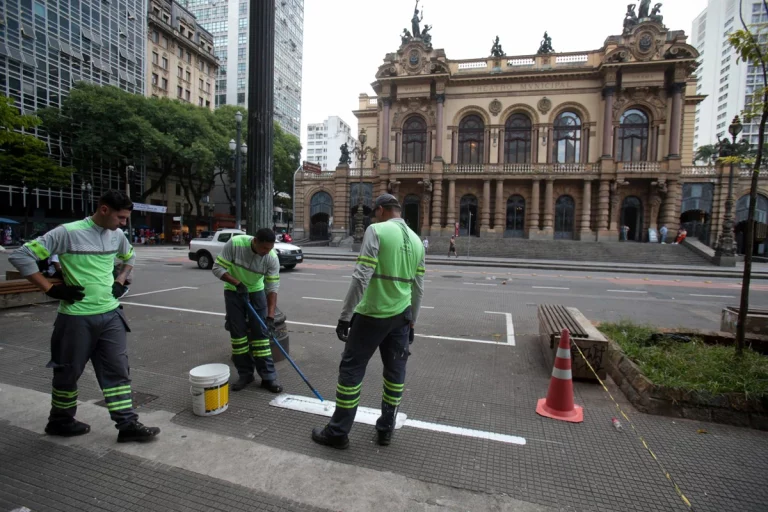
(757, 320)
(729, 408)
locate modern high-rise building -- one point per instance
(727, 82)
(228, 23)
(46, 47)
(324, 142)
(180, 59)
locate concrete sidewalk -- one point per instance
(759, 270)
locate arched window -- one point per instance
(515, 217)
(320, 211)
(633, 136)
(566, 145)
(321, 202)
(761, 211)
(517, 139)
(565, 209)
(471, 136)
(415, 140)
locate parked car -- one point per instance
(205, 250)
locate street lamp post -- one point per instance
(237, 147)
(128, 177)
(724, 255)
(361, 152)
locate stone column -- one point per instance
(437, 207)
(533, 228)
(669, 215)
(428, 156)
(485, 215)
(454, 147)
(426, 200)
(385, 135)
(439, 128)
(549, 204)
(603, 205)
(615, 210)
(451, 220)
(586, 212)
(550, 145)
(674, 124)
(500, 151)
(487, 146)
(398, 146)
(499, 224)
(608, 93)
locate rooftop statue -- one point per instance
(546, 45)
(416, 20)
(496, 50)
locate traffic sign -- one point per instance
(310, 167)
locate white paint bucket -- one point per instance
(209, 389)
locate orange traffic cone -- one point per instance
(559, 402)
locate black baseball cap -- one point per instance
(387, 200)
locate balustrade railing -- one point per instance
(639, 166)
(325, 175)
(698, 170)
(356, 172)
(469, 168)
(408, 168)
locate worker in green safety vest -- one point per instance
(380, 311)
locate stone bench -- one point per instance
(17, 291)
(553, 318)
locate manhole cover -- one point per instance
(139, 399)
(453, 277)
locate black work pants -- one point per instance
(250, 343)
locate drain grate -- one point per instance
(139, 399)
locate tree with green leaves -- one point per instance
(749, 44)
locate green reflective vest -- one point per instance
(396, 265)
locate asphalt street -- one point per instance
(476, 365)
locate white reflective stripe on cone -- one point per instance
(563, 353)
(561, 374)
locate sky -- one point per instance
(345, 41)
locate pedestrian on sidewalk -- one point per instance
(426, 245)
(250, 270)
(90, 323)
(624, 233)
(380, 311)
(452, 247)
(663, 232)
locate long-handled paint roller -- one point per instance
(274, 338)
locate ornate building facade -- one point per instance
(544, 146)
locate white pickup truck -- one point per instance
(205, 250)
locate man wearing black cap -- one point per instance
(380, 310)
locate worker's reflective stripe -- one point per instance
(392, 278)
(224, 263)
(120, 390)
(63, 405)
(391, 400)
(239, 351)
(262, 353)
(561, 374)
(367, 259)
(121, 405)
(366, 264)
(126, 257)
(347, 404)
(420, 271)
(40, 251)
(393, 387)
(260, 343)
(348, 390)
(272, 279)
(239, 341)
(64, 394)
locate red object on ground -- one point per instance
(287, 238)
(559, 402)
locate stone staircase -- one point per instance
(571, 250)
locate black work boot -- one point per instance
(272, 386)
(384, 438)
(69, 429)
(136, 432)
(243, 381)
(320, 436)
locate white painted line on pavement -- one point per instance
(312, 405)
(322, 298)
(369, 416)
(307, 274)
(716, 296)
(427, 307)
(467, 432)
(626, 291)
(550, 287)
(161, 291)
(480, 284)
(184, 310)
(510, 326)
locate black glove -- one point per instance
(270, 324)
(342, 330)
(411, 334)
(66, 293)
(118, 290)
(242, 289)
